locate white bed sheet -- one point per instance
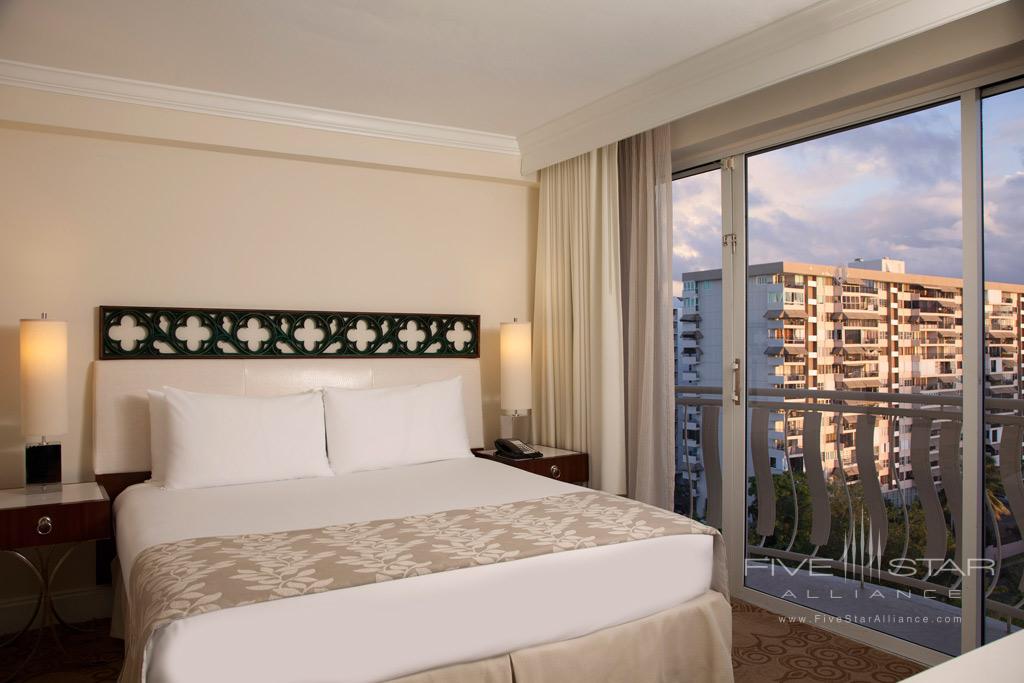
(386, 630)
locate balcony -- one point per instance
(936, 354)
(858, 383)
(787, 345)
(886, 490)
(856, 313)
(789, 311)
(935, 293)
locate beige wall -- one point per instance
(987, 45)
(91, 218)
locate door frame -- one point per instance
(734, 389)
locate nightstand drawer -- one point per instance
(49, 524)
(570, 468)
(556, 463)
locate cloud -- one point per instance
(697, 223)
(1004, 228)
(891, 188)
(888, 189)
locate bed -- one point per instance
(644, 610)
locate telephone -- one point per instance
(515, 449)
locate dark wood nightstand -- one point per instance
(555, 463)
(73, 516)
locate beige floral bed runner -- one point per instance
(176, 580)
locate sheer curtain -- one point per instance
(645, 223)
(577, 318)
(602, 320)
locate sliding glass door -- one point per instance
(854, 355)
(852, 359)
(697, 267)
(1003, 186)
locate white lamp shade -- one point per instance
(516, 367)
(44, 377)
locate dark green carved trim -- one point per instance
(154, 332)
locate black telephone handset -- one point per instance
(515, 449)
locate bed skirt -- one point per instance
(691, 643)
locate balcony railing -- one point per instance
(935, 438)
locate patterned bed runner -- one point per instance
(176, 580)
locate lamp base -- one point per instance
(42, 468)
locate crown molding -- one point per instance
(824, 33)
(98, 86)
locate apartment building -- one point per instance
(869, 326)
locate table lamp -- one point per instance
(44, 399)
(516, 369)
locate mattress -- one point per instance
(386, 630)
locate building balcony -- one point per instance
(858, 383)
(787, 311)
(778, 347)
(848, 313)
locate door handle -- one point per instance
(736, 381)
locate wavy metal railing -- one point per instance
(924, 412)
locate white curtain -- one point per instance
(577, 319)
(645, 195)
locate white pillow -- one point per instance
(157, 436)
(369, 429)
(216, 440)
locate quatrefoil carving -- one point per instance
(128, 332)
(141, 332)
(254, 334)
(310, 334)
(361, 335)
(193, 333)
(459, 336)
(411, 335)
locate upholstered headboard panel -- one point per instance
(121, 409)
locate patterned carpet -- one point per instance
(82, 657)
(765, 650)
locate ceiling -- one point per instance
(503, 67)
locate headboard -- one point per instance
(121, 408)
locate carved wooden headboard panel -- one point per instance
(158, 332)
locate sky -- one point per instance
(891, 188)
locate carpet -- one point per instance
(765, 650)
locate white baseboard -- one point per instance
(74, 606)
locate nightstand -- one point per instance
(74, 515)
(555, 463)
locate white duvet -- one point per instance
(386, 630)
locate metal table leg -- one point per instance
(39, 599)
(50, 574)
(44, 574)
(40, 578)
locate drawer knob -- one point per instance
(556, 472)
(44, 526)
